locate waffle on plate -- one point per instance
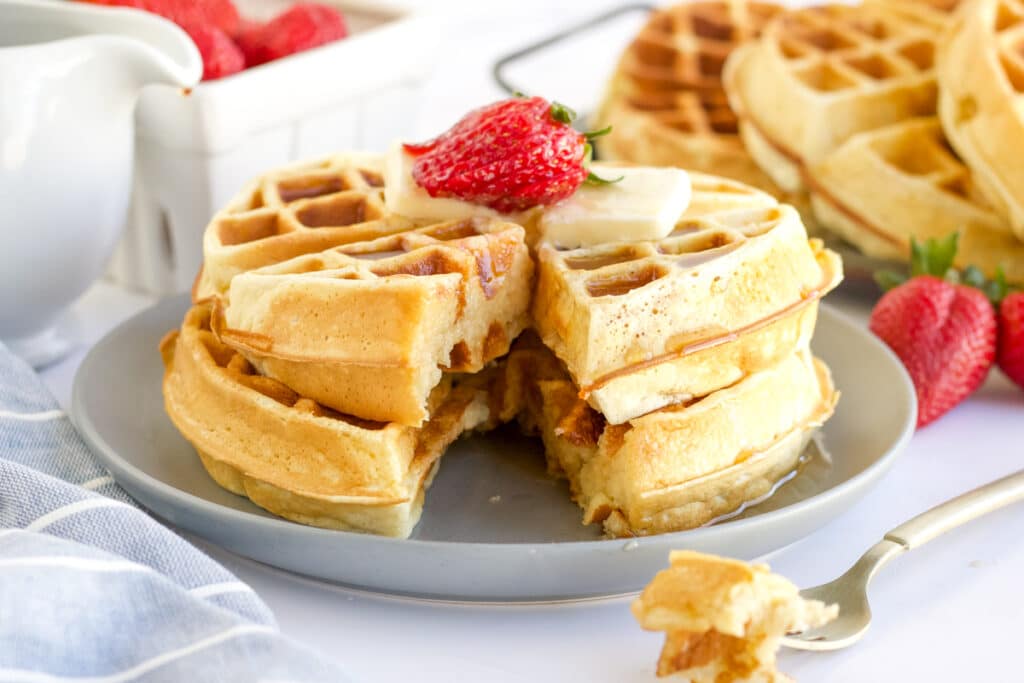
(293, 456)
(368, 327)
(335, 350)
(643, 325)
(682, 465)
(302, 208)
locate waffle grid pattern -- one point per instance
(674, 66)
(837, 48)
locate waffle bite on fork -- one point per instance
(666, 103)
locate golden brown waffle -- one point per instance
(678, 467)
(293, 456)
(368, 327)
(666, 103)
(643, 325)
(818, 76)
(298, 209)
(937, 13)
(981, 73)
(724, 620)
(883, 187)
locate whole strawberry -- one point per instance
(301, 27)
(943, 331)
(220, 14)
(221, 57)
(511, 156)
(1011, 337)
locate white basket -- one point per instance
(194, 153)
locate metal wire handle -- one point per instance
(498, 69)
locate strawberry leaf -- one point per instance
(997, 288)
(934, 257)
(598, 180)
(598, 133)
(889, 279)
(562, 113)
(972, 275)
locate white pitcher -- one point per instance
(69, 77)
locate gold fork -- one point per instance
(849, 591)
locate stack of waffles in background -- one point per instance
(334, 351)
(672, 381)
(841, 103)
(981, 81)
(665, 100)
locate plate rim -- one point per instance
(120, 466)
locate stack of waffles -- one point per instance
(320, 371)
(666, 102)
(334, 351)
(847, 105)
(653, 376)
(981, 79)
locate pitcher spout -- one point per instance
(154, 49)
(145, 47)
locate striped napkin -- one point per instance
(93, 589)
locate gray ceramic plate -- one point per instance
(495, 527)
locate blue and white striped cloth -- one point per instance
(94, 590)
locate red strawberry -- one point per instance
(219, 13)
(302, 27)
(1011, 337)
(221, 57)
(511, 155)
(944, 332)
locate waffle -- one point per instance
(981, 71)
(883, 187)
(665, 100)
(678, 467)
(936, 13)
(643, 325)
(297, 209)
(294, 457)
(818, 76)
(724, 620)
(366, 328)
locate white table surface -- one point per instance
(950, 611)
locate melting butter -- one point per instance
(645, 205)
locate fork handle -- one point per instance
(960, 510)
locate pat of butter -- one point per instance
(644, 205)
(402, 195)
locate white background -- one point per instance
(951, 611)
